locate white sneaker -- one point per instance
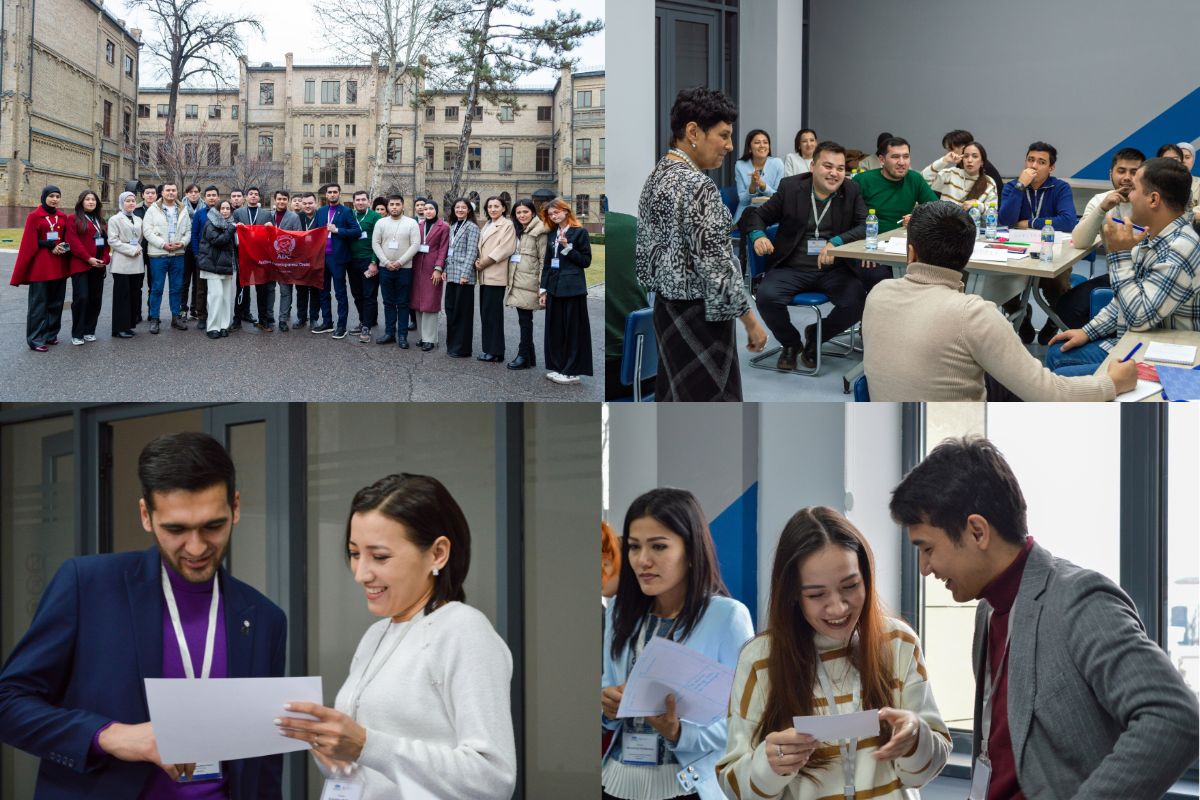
(553, 376)
(564, 379)
(76, 341)
(89, 338)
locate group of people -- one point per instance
(1072, 699)
(527, 258)
(923, 340)
(72, 693)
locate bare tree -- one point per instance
(259, 172)
(182, 158)
(493, 55)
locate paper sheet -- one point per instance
(224, 719)
(859, 725)
(701, 685)
(1143, 390)
(1184, 354)
(992, 254)
(897, 245)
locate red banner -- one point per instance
(266, 253)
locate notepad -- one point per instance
(1184, 354)
(1143, 390)
(1179, 383)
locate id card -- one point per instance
(363, 235)
(815, 246)
(424, 248)
(515, 258)
(204, 772)
(450, 253)
(52, 236)
(99, 241)
(640, 749)
(341, 790)
(393, 244)
(981, 776)
(554, 263)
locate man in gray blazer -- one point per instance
(1075, 700)
(285, 219)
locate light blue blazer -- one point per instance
(722, 630)
(772, 172)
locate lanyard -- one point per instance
(209, 638)
(989, 698)
(459, 227)
(848, 747)
(253, 214)
(423, 222)
(365, 679)
(332, 214)
(95, 225)
(360, 219)
(52, 222)
(648, 630)
(1036, 212)
(821, 216)
(562, 231)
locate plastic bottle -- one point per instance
(872, 231)
(975, 217)
(990, 222)
(1047, 254)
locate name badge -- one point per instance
(815, 246)
(341, 790)
(362, 235)
(450, 253)
(393, 244)
(52, 236)
(204, 772)
(99, 241)
(554, 263)
(640, 749)
(424, 248)
(516, 258)
(981, 776)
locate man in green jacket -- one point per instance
(363, 272)
(893, 191)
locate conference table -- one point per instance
(1133, 338)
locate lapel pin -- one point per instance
(245, 627)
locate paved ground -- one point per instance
(253, 365)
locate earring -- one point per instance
(693, 145)
(435, 572)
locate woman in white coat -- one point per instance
(425, 710)
(125, 239)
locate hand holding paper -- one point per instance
(834, 727)
(701, 685)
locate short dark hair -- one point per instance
(959, 478)
(894, 141)
(703, 106)
(378, 201)
(191, 186)
(942, 234)
(957, 138)
(799, 133)
(828, 147)
(281, 192)
(1170, 148)
(149, 187)
(427, 511)
(397, 196)
(307, 195)
(210, 188)
(329, 186)
(253, 189)
(1043, 147)
(879, 140)
(1168, 177)
(1127, 154)
(188, 461)
(360, 191)
(236, 190)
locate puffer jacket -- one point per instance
(155, 229)
(216, 245)
(525, 275)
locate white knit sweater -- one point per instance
(437, 714)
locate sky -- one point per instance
(293, 27)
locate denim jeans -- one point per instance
(162, 268)
(335, 273)
(395, 287)
(1081, 360)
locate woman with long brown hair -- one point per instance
(961, 176)
(86, 234)
(830, 648)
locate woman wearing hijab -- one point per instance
(429, 273)
(524, 275)
(89, 256)
(125, 239)
(216, 263)
(42, 262)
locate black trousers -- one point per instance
(43, 318)
(491, 320)
(869, 276)
(265, 297)
(127, 299)
(87, 295)
(365, 292)
(460, 318)
(778, 286)
(189, 277)
(525, 323)
(1074, 307)
(308, 303)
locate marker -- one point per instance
(1137, 228)
(1136, 347)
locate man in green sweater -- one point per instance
(893, 191)
(363, 273)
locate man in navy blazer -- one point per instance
(344, 230)
(72, 692)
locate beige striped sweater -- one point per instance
(744, 772)
(952, 183)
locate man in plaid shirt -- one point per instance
(1155, 274)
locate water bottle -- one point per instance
(872, 231)
(990, 222)
(1048, 242)
(974, 212)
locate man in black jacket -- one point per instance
(815, 213)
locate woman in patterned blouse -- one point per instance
(684, 256)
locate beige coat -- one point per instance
(525, 276)
(155, 229)
(497, 243)
(125, 237)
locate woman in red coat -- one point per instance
(87, 236)
(429, 266)
(42, 262)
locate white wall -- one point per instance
(629, 67)
(770, 75)
(632, 456)
(872, 470)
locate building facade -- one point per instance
(302, 126)
(68, 103)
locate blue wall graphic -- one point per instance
(1179, 123)
(735, 534)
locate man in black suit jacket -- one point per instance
(815, 213)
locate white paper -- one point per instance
(1143, 390)
(992, 254)
(224, 719)
(1184, 354)
(897, 245)
(701, 685)
(858, 725)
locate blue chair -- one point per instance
(861, 395)
(1099, 298)
(639, 354)
(1077, 279)
(814, 301)
(729, 197)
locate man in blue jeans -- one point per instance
(1153, 273)
(343, 232)
(167, 227)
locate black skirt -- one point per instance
(697, 359)
(568, 339)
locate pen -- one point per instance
(1137, 228)
(1136, 347)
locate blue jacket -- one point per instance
(720, 634)
(96, 635)
(199, 220)
(1056, 203)
(347, 235)
(773, 172)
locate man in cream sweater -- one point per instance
(924, 339)
(395, 240)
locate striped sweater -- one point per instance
(744, 772)
(953, 183)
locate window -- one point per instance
(398, 93)
(144, 153)
(506, 113)
(349, 170)
(191, 111)
(107, 118)
(189, 153)
(351, 98)
(160, 152)
(233, 151)
(329, 166)
(583, 151)
(582, 202)
(601, 153)
(310, 91)
(128, 65)
(266, 147)
(163, 110)
(477, 112)
(474, 158)
(308, 165)
(451, 113)
(306, 130)
(266, 94)
(214, 112)
(542, 159)
(143, 111)
(337, 131)
(428, 156)
(322, 131)
(105, 176)
(450, 154)
(126, 127)
(110, 51)
(1182, 547)
(583, 99)
(233, 111)
(506, 161)
(545, 113)
(331, 91)
(351, 132)
(601, 103)
(393, 150)
(214, 154)
(430, 113)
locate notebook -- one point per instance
(1184, 354)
